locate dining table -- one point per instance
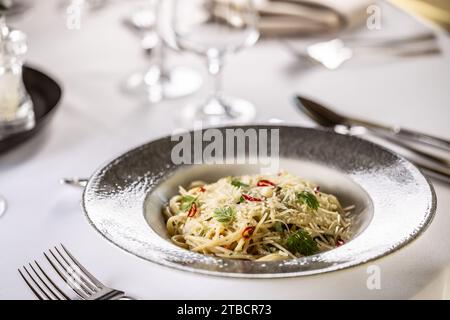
(96, 122)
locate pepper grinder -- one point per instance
(16, 107)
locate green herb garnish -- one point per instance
(239, 184)
(309, 199)
(225, 215)
(186, 202)
(278, 226)
(241, 199)
(302, 242)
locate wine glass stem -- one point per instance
(215, 105)
(162, 59)
(3, 26)
(215, 71)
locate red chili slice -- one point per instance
(250, 198)
(202, 189)
(340, 242)
(265, 183)
(247, 233)
(192, 210)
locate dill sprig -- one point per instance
(279, 227)
(239, 184)
(187, 201)
(302, 242)
(225, 215)
(309, 199)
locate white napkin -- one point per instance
(307, 17)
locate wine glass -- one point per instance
(158, 81)
(215, 29)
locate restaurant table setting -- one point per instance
(92, 93)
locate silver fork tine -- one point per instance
(83, 283)
(49, 289)
(44, 295)
(87, 273)
(50, 281)
(79, 271)
(83, 294)
(71, 271)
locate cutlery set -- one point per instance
(434, 165)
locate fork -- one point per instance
(83, 283)
(333, 53)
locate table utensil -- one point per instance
(45, 93)
(439, 167)
(81, 281)
(215, 30)
(333, 53)
(76, 182)
(394, 201)
(327, 117)
(305, 18)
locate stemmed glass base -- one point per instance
(155, 86)
(218, 111)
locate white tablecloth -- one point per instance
(96, 122)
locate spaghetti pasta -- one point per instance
(257, 217)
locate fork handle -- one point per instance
(423, 138)
(395, 42)
(126, 298)
(437, 168)
(434, 172)
(439, 160)
(411, 135)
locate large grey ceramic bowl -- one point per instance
(394, 202)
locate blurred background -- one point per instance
(116, 73)
(82, 81)
(436, 12)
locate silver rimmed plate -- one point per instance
(394, 201)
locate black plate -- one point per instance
(45, 94)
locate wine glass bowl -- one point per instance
(215, 29)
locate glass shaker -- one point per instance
(16, 107)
